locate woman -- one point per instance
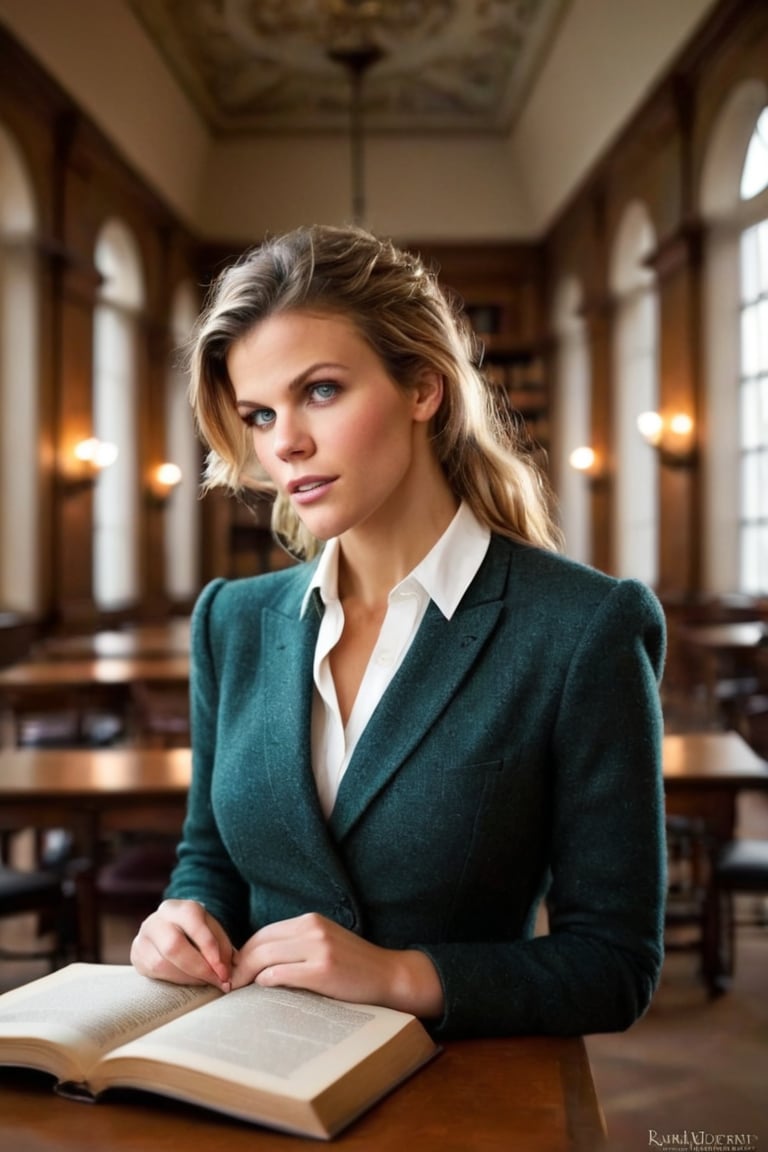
(400, 748)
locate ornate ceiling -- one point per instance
(253, 66)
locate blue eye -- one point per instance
(324, 390)
(259, 418)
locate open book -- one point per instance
(288, 1059)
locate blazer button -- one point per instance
(344, 915)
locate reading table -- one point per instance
(85, 684)
(704, 775)
(725, 651)
(526, 1093)
(704, 772)
(147, 641)
(90, 792)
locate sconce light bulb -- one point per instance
(97, 454)
(86, 449)
(650, 426)
(582, 459)
(105, 454)
(168, 475)
(681, 424)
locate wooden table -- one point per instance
(704, 773)
(91, 792)
(82, 685)
(150, 641)
(31, 676)
(726, 653)
(532, 1094)
(733, 637)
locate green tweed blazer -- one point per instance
(515, 757)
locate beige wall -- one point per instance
(604, 61)
(430, 188)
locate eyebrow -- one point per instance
(297, 382)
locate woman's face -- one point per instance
(330, 428)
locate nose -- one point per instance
(292, 439)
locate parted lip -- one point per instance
(305, 481)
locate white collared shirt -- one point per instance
(443, 575)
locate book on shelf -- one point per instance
(284, 1058)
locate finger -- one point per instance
(287, 976)
(150, 961)
(215, 951)
(203, 932)
(309, 925)
(253, 957)
(172, 950)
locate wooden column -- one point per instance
(598, 322)
(153, 357)
(74, 497)
(677, 264)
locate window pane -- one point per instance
(754, 559)
(762, 246)
(750, 342)
(750, 266)
(750, 486)
(762, 418)
(750, 559)
(750, 414)
(747, 559)
(762, 336)
(755, 174)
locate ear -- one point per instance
(427, 394)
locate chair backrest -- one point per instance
(53, 899)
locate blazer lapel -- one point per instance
(416, 696)
(289, 642)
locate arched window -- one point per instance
(182, 565)
(571, 426)
(753, 377)
(636, 382)
(734, 202)
(20, 586)
(116, 504)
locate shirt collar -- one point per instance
(445, 573)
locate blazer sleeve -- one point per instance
(598, 966)
(205, 871)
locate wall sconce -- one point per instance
(671, 436)
(88, 458)
(586, 461)
(161, 482)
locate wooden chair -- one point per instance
(52, 897)
(751, 716)
(161, 715)
(132, 881)
(688, 924)
(740, 868)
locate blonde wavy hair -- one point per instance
(411, 323)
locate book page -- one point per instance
(271, 1030)
(94, 1007)
(285, 1057)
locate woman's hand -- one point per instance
(184, 944)
(319, 955)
